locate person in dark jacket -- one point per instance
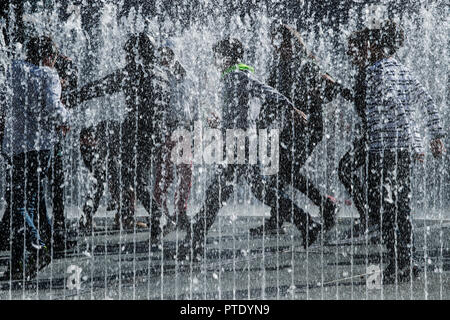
(239, 87)
(297, 75)
(147, 98)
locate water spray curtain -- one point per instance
(93, 36)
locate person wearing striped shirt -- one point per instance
(391, 100)
(392, 96)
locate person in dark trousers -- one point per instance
(296, 74)
(147, 98)
(36, 114)
(55, 235)
(176, 117)
(100, 151)
(239, 86)
(394, 144)
(357, 157)
(68, 73)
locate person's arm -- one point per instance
(272, 99)
(110, 84)
(68, 73)
(425, 101)
(54, 112)
(375, 106)
(333, 88)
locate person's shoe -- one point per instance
(270, 227)
(358, 233)
(86, 225)
(37, 245)
(125, 221)
(111, 206)
(169, 227)
(59, 240)
(15, 274)
(187, 253)
(141, 225)
(129, 224)
(330, 210)
(390, 275)
(4, 245)
(183, 222)
(36, 262)
(116, 223)
(310, 236)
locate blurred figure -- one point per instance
(176, 118)
(36, 114)
(55, 234)
(357, 157)
(239, 87)
(394, 143)
(296, 74)
(68, 74)
(100, 151)
(147, 97)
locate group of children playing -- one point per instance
(124, 154)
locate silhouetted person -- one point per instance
(147, 98)
(239, 87)
(356, 158)
(100, 151)
(176, 117)
(296, 74)
(36, 112)
(394, 143)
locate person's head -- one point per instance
(228, 52)
(166, 53)
(288, 42)
(357, 47)
(67, 71)
(370, 45)
(42, 51)
(88, 138)
(386, 40)
(140, 48)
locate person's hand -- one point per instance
(64, 129)
(328, 78)
(346, 94)
(63, 82)
(420, 157)
(213, 120)
(437, 148)
(299, 116)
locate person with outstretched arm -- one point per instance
(239, 87)
(147, 98)
(295, 72)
